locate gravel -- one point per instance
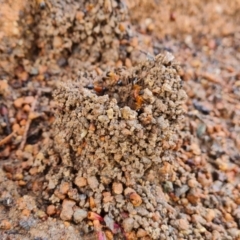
(97, 137)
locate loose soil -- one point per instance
(97, 137)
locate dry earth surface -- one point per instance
(107, 155)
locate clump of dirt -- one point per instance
(79, 35)
(82, 34)
(109, 150)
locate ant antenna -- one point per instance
(149, 56)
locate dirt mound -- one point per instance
(109, 150)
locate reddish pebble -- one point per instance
(80, 181)
(67, 210)
(51, 210)
(5, 225)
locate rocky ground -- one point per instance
(117, 151)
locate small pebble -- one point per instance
(51, 210)
(5, 225)
(79, 215)
(67, 210)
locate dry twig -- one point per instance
(6, 139)
(211, 77)
(29, 121)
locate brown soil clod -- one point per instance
(135, 139)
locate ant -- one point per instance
(138, 99)
(135, 97)
(99, 89)
(111, 79)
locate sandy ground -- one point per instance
(46, 44)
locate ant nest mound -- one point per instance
(46, 36)
(113, 148)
